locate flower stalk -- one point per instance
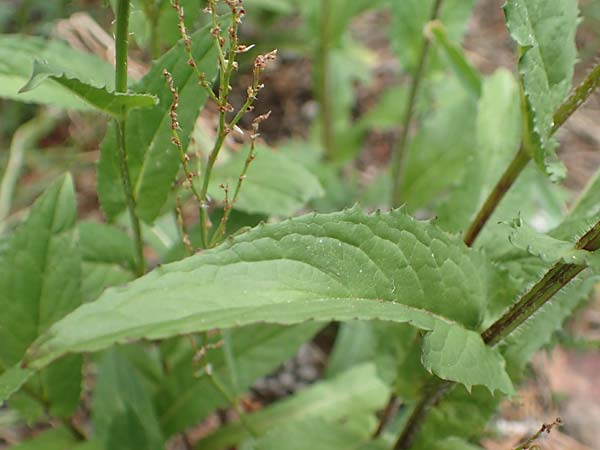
(121, 52)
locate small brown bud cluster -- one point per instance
(175, 104)
(262, 61)
(182, 30)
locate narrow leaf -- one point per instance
(409, 20)
(17, 55)
(464, 70)
(109, 102)
(321, 267)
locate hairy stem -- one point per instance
(399, 156)
(121, 51)
(577, 98)
(324, 79)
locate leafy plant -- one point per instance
(439, 315)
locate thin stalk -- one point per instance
(25, 137)
(531, 302)
(121, 51)
(399, 156)
(577, 98)
(324, 79)
(502, 186)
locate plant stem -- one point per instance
(505, 182)
(399, 156)
(324, 79)
(121, 50)
(579, 95)
(552, 282)
(577, 98)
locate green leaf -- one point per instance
(274, 185)
(498, 135)
(39, 271)
(453, 355)
(122, 411)
(12, 380)
(106, 244)
(545, 32)
(17, 55)
(348, 433)
(459, 415)
(153, 159)
(409, 20)
(108, 258)
(40, 282)
(109, 102)
(550, 249)
(52, 439)
(257, 351)
(437, 153)
(355, 392)
(339, 266)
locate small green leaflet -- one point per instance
(109, 102)
(17, 55)
(339, 266)
(550, 249)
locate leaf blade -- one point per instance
(321, 267)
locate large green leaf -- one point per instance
(153, 159)
(339, 266)
(17, 54)
(274, 185)
(122, 411)
(356, 392)
(110, 102)
(40, 279)
(257, 351)
(545, 32)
